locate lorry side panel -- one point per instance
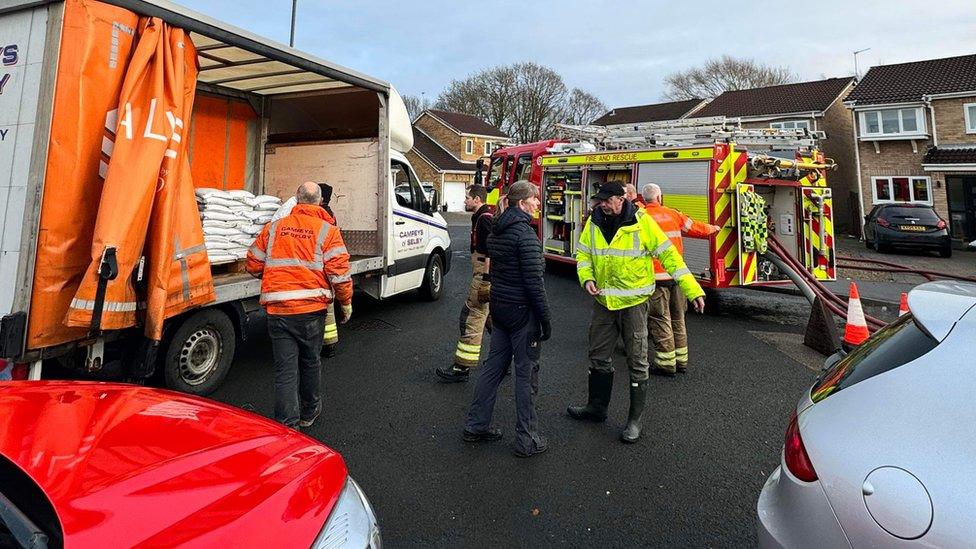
(22, 55)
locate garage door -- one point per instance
(454, 196)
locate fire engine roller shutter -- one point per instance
(685, 188)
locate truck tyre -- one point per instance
(433, 278)
(200, 353)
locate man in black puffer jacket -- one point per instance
(519, 320)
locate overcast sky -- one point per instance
(619, 50)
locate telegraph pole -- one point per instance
(294, 8)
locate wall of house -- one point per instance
(839, 145)
(950, 121)
(425, 171)
(450, 140)
(896, 158)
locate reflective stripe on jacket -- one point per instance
(622, 269)
(675, 225)
(302, 261)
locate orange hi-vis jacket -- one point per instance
(302, 261)
(675, 224)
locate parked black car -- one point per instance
(912, 226)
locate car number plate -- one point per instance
(913, 227)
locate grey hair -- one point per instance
(308, 193)
(651, 192)
(521, 190)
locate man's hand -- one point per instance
(545, 330)
(591, 288)
(715, 228)
(346, 313)
(699, 304)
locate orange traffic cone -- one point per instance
(903, 307)
(856, 330)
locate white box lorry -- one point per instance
(303, 119)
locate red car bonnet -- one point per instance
(126, 465)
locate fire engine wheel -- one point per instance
(433, 278)
(200, 353)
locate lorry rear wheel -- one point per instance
(200, 353)
(433, 278)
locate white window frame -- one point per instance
(891, 189)
(778, 125)
(970, 120)
(487, 148)
(469, 146)
(919, 123)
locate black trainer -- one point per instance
(488, 436)
(329, 351)
(538, 450)
(453, 374)
(307, 422)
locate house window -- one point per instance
(892, 122)
(487, 148)
(891, 189)
(469, 146)
(970, 110)
(790, 125)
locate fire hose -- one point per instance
(809, 284)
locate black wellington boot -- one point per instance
(638, 397)
(600, 386)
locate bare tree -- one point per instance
(416, 105)
(525, 100)
(582, 107)
(723, 74)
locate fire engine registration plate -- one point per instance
(912, 227)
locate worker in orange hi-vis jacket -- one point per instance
(666, 315)
(304, 266)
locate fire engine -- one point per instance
(752, 183)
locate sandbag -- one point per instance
(267, 207)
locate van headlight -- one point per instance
(352, 523)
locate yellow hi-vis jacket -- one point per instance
(623, 269)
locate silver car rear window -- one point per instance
(896, 344)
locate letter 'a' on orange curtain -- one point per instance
(96, 42)
(147, 203)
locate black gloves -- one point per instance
(545, 330)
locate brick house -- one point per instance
(816, 106)
(916, 138)
(446, 148)
(642, 114)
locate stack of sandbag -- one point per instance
(232, 220)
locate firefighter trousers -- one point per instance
(607, 326)
(473, 315)
(666, 326)
(331, 335)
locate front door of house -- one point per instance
(961, 190)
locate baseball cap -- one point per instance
(609, 189)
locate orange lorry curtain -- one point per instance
(96, 43)
(147, 204)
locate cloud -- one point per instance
(619, 50)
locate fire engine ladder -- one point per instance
(689, 132)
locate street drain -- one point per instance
(374, 325)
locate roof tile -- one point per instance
(647, 113)
(813, 96)
(466, 123)
(950, 155)
(906, 82)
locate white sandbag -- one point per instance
(255, 214)
(251, 229)
(219, 216)
(221, 231)
(265, 198)
(241, 195)
(267, 207)
(203, 192)
(218, 243)
(216, 258)
(263, 220)
(214, 199)
(244, 240)
(240, 253)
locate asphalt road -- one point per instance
(710, 438)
